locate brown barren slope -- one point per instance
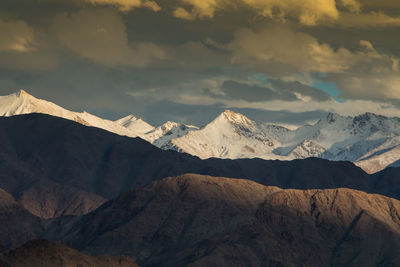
(195, 220)
(43, 253)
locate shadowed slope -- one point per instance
(195, 220)
(17, 224)
(43, 253)
(89, 165)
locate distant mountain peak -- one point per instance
(332, 117)
(236, 118)
(367, 116)
(22, 93)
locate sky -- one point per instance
(282, 61)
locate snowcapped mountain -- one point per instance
(24, 103)
(162, 135)
(371, 141)
(230, 135)
(135, 124)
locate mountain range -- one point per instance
(98, 166)
(371, 141)
(94, 192)
(195, 220)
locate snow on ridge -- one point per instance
(371, 141)
(135, 124)
(24, 103)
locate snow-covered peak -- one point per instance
(23, 93)
(234, 117)
(136, 124)
(162, 135)
(333, 117)
(24, 103)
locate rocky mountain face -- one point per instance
(195, 220)
(17, 224)
(43, 253)
(98, 166)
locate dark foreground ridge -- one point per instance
(195, 220)
(56, 167)
(43, 253)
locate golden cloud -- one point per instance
(367, 20)
(100, 35)
(280, 51)
(351, 5)
(307, 12)
(16, 36)
(127, 5)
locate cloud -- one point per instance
(351, 5)
(16, 36)
(367, 20)
(100, 35)
(24, 48)
(127, 5)
(363, 73)
(199, 9)
(274, 89)
(344, 13)
(281, 51)
(307, 12)
(34, 60)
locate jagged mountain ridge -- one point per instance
(334, 137)
(23, 103)
(195, 220)
(98, 165)
(370, 141)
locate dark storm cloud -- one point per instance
(297, 87)
(275, 90)
(254, 93)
